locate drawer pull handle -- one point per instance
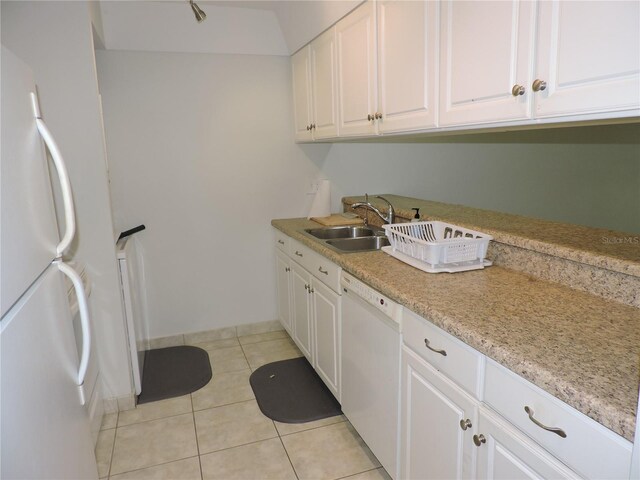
(465, 423)
(479, 439)
(326, 272)
(299, 254)
(280, 242)
(441, 352)
(557, 431)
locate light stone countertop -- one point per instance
(609, 249)
(581, 348)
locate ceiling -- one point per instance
(261, 27)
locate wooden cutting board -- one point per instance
(337, 219)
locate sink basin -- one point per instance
(341, 232)
(359, 244)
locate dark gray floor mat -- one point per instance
(290, 391)
(173, 371)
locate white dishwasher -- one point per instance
(371, 368)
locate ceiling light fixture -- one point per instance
(197, 11)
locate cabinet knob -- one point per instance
(517, 90)
(466, 423)
(378, 115)
(479, 440)
(539, 85)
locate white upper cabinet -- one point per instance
(485, 54)
(301, 69)
(407, 64)
(324, 99)
(589, 57)
(357, 83)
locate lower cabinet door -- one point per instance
(438, 420)
(326, 314)
(505, 453)
(300, 309)
(283, 284)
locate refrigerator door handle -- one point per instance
(63, 176)
(84, 318)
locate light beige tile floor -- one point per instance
(219, 432)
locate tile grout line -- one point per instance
(156, 465)
(195, 429)
(287, 454)
(113, 445)
(241, 445)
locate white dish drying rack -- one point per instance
(436, 247)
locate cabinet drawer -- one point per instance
(301, 254)
(282, 241)
(326, 271)
(589, 448)
(461, 363)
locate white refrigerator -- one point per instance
(44, 426)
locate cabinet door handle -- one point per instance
(280, 242)
(299, 254)
(326, 272)
(466, 423)
(308, 127)
(538, 85)
(441, 352)
(557, 431)
(311, 290)
(479, 440)
(517, 90)
(287, 269)
(306, 287)
(378, 115)
(370, 117)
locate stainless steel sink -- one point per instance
(342, 232)
(363, 244)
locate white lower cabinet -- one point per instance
(437, 424)
(301, 309)
(283, 285)
(504, 453)
(326, 321)
(309, 306)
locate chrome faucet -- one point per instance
(388, 218)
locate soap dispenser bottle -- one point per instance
(416, 217)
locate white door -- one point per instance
(301, 70)
(283, 280)
(407, 64)
(504, 453)
(326, 314)
(29, 234)
(45, 429)
(437, 421)
(325, 90)
(589, 57)
(357, 83)
(301, 309)
(486, 51)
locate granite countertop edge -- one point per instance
(614, 413)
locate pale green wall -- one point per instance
(587, 175)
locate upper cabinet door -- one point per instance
(486, 53)
(589, 57)
(357, 83)
(301, 69)
(407, 64)
(324, 82)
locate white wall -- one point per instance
(588, 175)
(171, 27)
(201, 151)
(55, 39)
